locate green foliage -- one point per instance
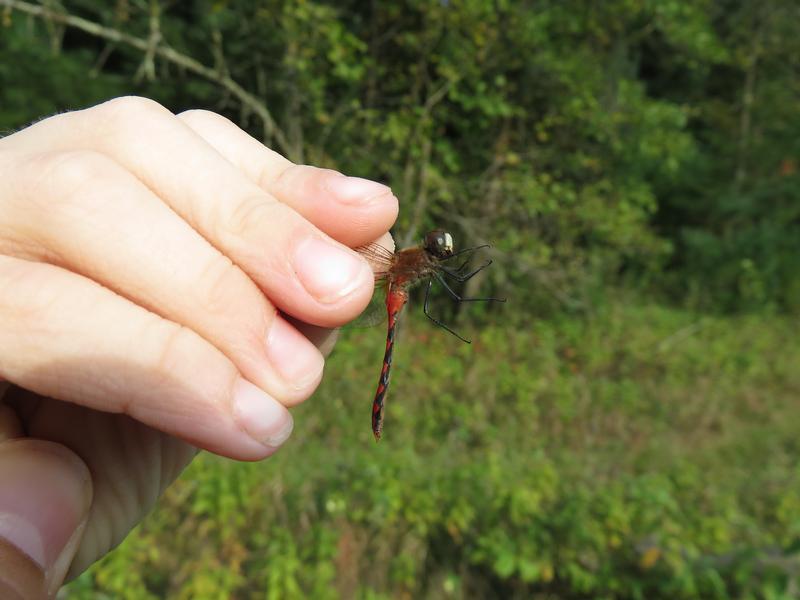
(587, 445)
(585, 139)
(644, 453)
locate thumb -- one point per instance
(45, 496)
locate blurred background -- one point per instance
(626, 426)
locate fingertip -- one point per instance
(262, 417)
(44, 507)
(324, 338)
(387, 241)
(331, 273)
(356, 191)
(352, 210)
(366, 208)
(296, 359)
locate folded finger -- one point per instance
(82, 211)
(302, 270)
(350, 209)
(67, 337)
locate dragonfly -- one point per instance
(402, 270)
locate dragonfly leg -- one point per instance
(457, 270)
(434, 319)
(462, 277)
(457, 273)
(465, 250)
(470, 252)
(458, 298)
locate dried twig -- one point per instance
(147, 70)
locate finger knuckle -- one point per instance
(252, 214)
(72, 166)
(201, 116)
(125, 120)
(231, 300)
(287, 175)
(221, 289)
(70, 173)
(177, 346)
(33, 295)
(131, 108)
(172, 352)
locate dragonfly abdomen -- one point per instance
(396, 298)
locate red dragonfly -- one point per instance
(399, 271)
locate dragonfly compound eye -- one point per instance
(439, 243)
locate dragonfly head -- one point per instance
(439, 243)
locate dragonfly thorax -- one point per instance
(439, 243)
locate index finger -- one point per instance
(302, 271)
(352, 210)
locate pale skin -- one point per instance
(167, 283)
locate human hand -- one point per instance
(144, 259)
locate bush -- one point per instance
(641, 453)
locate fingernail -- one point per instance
(44, 500)
(264, 419)
(329, 272)
(296, 359)
(355, 190)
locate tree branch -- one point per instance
(271, 130)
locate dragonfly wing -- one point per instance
(381, 260)
(379, 257)
(373, 314)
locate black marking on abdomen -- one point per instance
(383, 382)
(387, 357)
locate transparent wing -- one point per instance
(380, 258)
(374, 314)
